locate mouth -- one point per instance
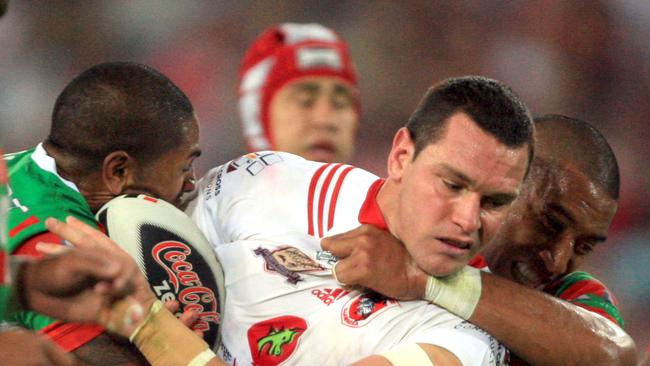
(321, 151)
(456, 247)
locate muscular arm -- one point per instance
(544, 330)
(540, 329)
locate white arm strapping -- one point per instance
(407, 355)
(458, 293)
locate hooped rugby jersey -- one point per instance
(36, 193)
(580, 289)
(265, 213)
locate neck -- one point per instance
(65, 163)
(88, 184)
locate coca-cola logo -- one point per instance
(177, 272)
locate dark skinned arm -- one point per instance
(540, 329)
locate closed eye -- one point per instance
(584, 248)
(454, 187)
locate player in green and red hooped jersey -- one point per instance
(117, 128)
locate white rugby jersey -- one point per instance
(265, 213)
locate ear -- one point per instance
(401, 154)
(117, 171)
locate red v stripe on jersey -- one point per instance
(335, 197)
(310, 198)
(321, 197)
(325, 183)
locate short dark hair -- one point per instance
(493, 106)
(119, 106)
(570, 140)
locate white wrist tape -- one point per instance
(407, 355)
(459, 293)
(202, 358)
(155, 307)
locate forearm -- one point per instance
(544, 330)
(164, 341)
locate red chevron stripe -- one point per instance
(321, 198)
(310, 198)
(335, 196)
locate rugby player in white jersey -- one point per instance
(265, 213)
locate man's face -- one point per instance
(454, 194)
(172, 174)
(316, 118)
(557, 220)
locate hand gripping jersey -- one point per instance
(36, 193)
(265, 214)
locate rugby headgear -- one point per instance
(281, 54)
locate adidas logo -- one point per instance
(328, 295)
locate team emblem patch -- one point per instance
(360, 310)
(272, 341)
(288, 262)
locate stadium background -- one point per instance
(587, 59)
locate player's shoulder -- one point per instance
(269, 170)
(585, 290)
(258, 166)
(575, 284)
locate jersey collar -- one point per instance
(370, 212)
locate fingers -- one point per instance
(189, 317)
(65, 231)
(98, 265)
(79, 233)
(51, 249)
(345, 272)
(87, 238)
(172, 305)
(341, 245)
(122, 317)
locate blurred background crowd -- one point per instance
(587, 59)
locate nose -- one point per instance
(322, 114)
(467, 212)
(560, 257)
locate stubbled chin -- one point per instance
(441, 269)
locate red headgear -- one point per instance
(282, 54)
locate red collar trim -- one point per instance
(478, 262)
(370, 212)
